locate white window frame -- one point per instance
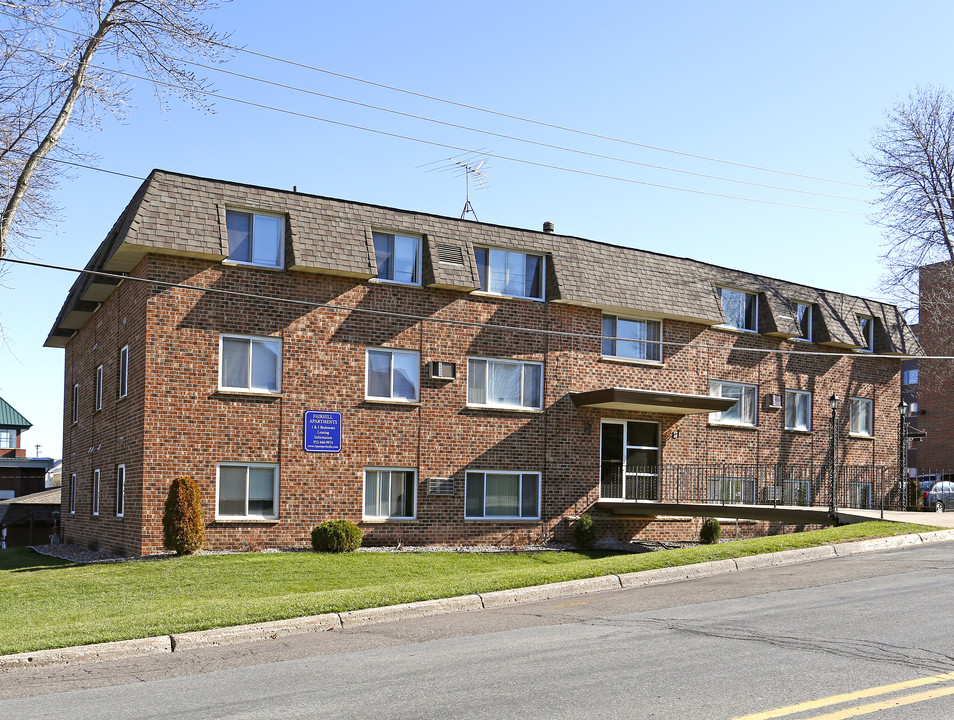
(615, 339)
(520, 474)
(791, 395)
(390, 397)
(95, 498)
(854, 404)
(280, 261)
(268, 340)
(809, 310)
(868, 337)
(715, 390)
(72, 493)
(123, 371)
(486, 372)
(391, 237)
(99, 387)
(486, 281)
(120, 490)
(389, 470)
(755, 311)
(76, 403)
(248, 466)
(8, 433)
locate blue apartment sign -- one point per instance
(322, 431)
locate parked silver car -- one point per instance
(941, 496)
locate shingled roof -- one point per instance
(185, 215)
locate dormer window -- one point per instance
(505, 272)
(866, 325)
(398, 258)
(740, 308)
(803, 317)
(255, 238)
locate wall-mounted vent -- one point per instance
(451, 254)
(442, 370)
(440, 486)
(775, 402)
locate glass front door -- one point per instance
(629, 460)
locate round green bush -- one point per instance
(183, 529)
(584, 532)
(710, 531)
(336, 536)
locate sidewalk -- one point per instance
(945, 519)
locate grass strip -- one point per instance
(49, 603)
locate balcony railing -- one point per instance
(856, 486)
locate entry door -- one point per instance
(629, 460)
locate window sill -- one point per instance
(797, 431)
(385, 281)
(504, 408)
(732, 426)
(385, 521)
(484, 293)
(501, 519)
(388, 401)
(861, 437)
(245, 521)
(240, 264)
(248, 393)
(631, 361)
(733, 329)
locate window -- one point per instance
(733, 491)
(634, 339)
(95, 492)
(505, 272)
(505, 383)
(254, 238)
(76, 403)
(860, 416)
(250, 363)
(8, 438)
(743, 412)
(72, 493)
(909, 377)
(389, 494)
(247, 490)
(740, 308)
(398, 258)
(798, 410)
(866, 324)
(803, 316)
(124, 371)
(502, 496)
(99, 388)
(120, 490)
(393, 374)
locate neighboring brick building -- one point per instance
(19, 475)
(436, 380)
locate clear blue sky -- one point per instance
(794, 87)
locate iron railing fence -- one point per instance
(856, 486)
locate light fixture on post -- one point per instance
(905, 497)
(833, 450)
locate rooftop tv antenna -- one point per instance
(470, 165)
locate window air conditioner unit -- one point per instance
(775, 402)
(440, 486)
(441, 370)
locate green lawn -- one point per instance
(48, 603)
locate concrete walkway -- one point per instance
(945, 519)
(468, 603)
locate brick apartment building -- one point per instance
(435, 380)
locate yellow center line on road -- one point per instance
(848, 697)
(885, 705)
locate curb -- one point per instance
(467, 603)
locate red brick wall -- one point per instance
(936, 377)
(177, 422)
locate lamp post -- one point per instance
(833, 443)
(903, 455)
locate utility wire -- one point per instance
(446, 321)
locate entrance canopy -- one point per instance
(651, 401)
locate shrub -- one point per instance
(183, 529)
(336, 536)
(584, 532)
(710, 531)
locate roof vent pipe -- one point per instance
(548, 227)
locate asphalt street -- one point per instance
(869, 635)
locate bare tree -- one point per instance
(913, 164)
(49, 81)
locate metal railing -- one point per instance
(855, 486)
